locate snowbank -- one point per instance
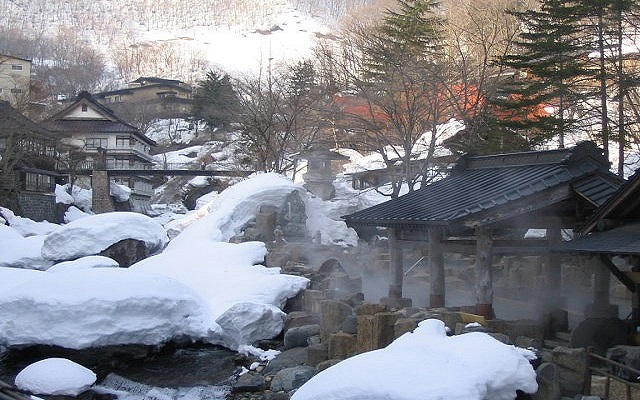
(426, 364)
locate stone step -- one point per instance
(563, 336)
(553, 343)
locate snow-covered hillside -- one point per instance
(235, 36)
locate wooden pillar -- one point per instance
(601, 306)
(554, 263)
(601, 285)
(635, 296)
(436, 265)
(484, 276)
(396, 270)
(553, 301)
(395, 299)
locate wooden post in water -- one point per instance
(484, 275)
(396, 269)
(555, 302)
(395, 299)
(436, 265)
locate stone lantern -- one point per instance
(319, 177)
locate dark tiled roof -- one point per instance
(10, 118)
(483, 183)
(623, 205)
(621, 240)
(89, 126)
(108, 123)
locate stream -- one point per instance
(196, 372)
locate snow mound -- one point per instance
(25, 252)
(85, 308)
(93, 234)
(237, 291)
(426, 364)
(228, 212)
(85, 263)
(56, 377)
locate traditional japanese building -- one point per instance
(99, 135)
(484, 209)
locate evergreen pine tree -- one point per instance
(549, 71)
(409, 36)
(215, 101)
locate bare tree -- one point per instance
(23, 144)
(276, 118)
(393, 85)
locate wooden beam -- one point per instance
(520, 207)
(622, 277)
(499, 247)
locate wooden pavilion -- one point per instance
(485, 207)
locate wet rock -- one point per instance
(127, 252)
(342, 345)
(317, 353)
(628, 356)
(299, 336)
(572, 367)
(286, 359)
(333, 313)
(350, 324)
(292, 378)
(548, 385)
(600, 334)
(300, 318)
(326, 364)
(249, 382)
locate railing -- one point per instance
(611, 370)
(177, 166)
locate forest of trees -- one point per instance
(520, 74)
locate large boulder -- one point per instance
(94, 234)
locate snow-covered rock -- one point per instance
(55, 377)
(245, 323)
(226, 277)
(85, 308)
(93, 234)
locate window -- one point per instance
(84, 108)
(34, 181)
(16, 90)
(15, 67)
(94, 143)
(123, 164)
(123, 141)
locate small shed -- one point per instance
(484, 208)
